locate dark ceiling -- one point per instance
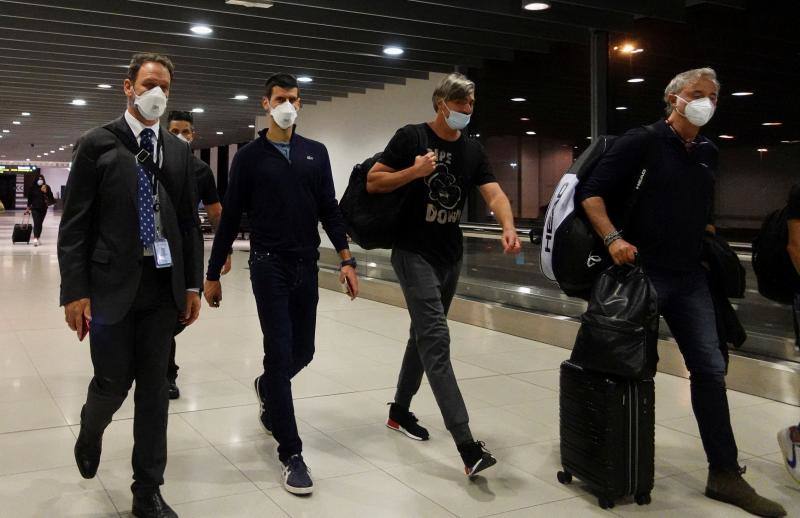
(53, 51)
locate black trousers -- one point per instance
(136, 348)
(286, 293)
(172, 367)
(38, 218)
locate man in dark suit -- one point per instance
(130, 253)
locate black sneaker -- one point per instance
(476, 457)
(296, 476)
(174, 392)
(403, 421)
(263, 416)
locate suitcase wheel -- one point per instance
(564, 477)
(605, 503)
(643, 499)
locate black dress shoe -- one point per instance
(174, 393)
(152, 506)
(87, 453)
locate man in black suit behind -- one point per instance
(131, 257)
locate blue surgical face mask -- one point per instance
(456, 120)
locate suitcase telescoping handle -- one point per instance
(26, 216)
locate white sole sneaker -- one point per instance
(295, 490)
(789, 450)
(391, 425)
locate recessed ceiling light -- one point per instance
(530, 133)
(393, 51)
(790, 141)
(742, 94)
(762, 150)
(477, 134)
(16, 123)
(622, 107)
(39, 156)
(79, 102)
(637, 51)
(636, 80)
(536, 6)
(524, 119)
(6, 131)
(219, 133)
(52, 150)
(202, 30)
(251, 126)
(45, 154)
(771, 123)
(627, 48)
(513, 164)
(26, 114)
(727, 137)
(250, 3)
(518, 99)
(304, 79)
(61, 149)
(71, 145)
(240, 97)
(198, 110)
(104, 86)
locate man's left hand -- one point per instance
(192, 308)
(511, 244)
(227, 266)
(348, 275)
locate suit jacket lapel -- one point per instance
(123, 132)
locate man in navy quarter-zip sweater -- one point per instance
(284, 183)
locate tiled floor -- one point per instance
(221, 463)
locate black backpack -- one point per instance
(619, 331)
(373, 219)
(776, 275)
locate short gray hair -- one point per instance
(680, 81)
(453, 87)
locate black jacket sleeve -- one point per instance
(329, 213)
(189, 223)
(76, 221)
(612, 177)
(235, 204)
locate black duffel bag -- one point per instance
(619, 331)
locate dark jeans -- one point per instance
(684, 301)
(38, 218)
(428, 292)
(286, 294)
(136, 348)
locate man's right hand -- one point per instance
(425, 165)
(622, 252)
(75, 311)
(213, 293)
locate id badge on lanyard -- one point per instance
(161, 251)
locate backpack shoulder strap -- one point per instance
(651, 157)
(141, 155)
(422, 137)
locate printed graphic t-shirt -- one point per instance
(434, 205)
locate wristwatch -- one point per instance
(348, 262)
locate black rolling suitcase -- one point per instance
(22, 231)
(607, 434)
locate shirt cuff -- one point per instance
(193, 290)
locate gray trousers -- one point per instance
(428, 292)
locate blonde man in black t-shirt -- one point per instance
(439, 170)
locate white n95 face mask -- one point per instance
(699, 111)
(151, 104)
(284, 115)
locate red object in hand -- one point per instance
(85, 330)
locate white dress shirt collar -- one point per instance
(137, 127)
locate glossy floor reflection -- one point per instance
(221, 463)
